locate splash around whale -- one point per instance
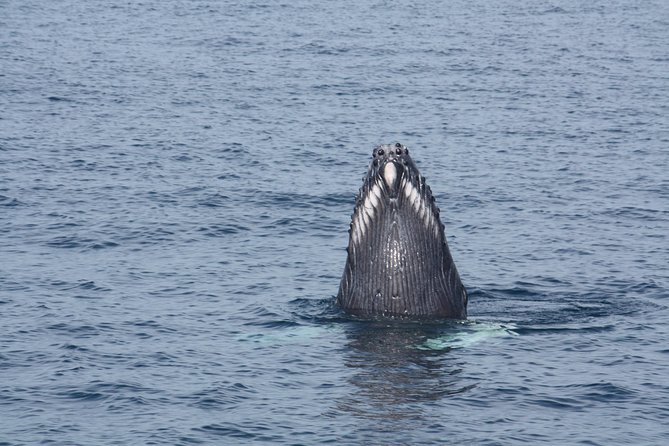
(399, 264)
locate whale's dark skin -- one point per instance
(399, 264)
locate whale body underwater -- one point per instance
(398, 263)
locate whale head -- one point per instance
(398, 263)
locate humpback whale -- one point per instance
(398, 263)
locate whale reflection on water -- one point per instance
(396, 366)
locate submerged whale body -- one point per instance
(399, 264)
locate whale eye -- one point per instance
(381, 152)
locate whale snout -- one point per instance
(390, 152)
(390, 163)
(390, 174)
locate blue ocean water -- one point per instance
(176, 184)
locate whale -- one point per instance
(398, 263)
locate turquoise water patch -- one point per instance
(472, 334)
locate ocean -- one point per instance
(176, 183)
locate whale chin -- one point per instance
(398, 262)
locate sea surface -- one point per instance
(176, 184)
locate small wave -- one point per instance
(68, 242)
(287, 226)
(572, 404)
(605, 392)
(215, 201)
(316, 311)
(523, 292)
(228, 430)
(73, 347)
(222, 229)
(103, 245)
(114, 392)
(274, 324)
(184, 157)
(221, 396)
(80, 330)
(10, 285)
(10, 202)
(88, 285)
(148, 235)
(149, 328)
(84, 243)
(162, 197)
(59, 99)
(555, 10)
(83, 395)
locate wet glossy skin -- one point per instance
(399, 264)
